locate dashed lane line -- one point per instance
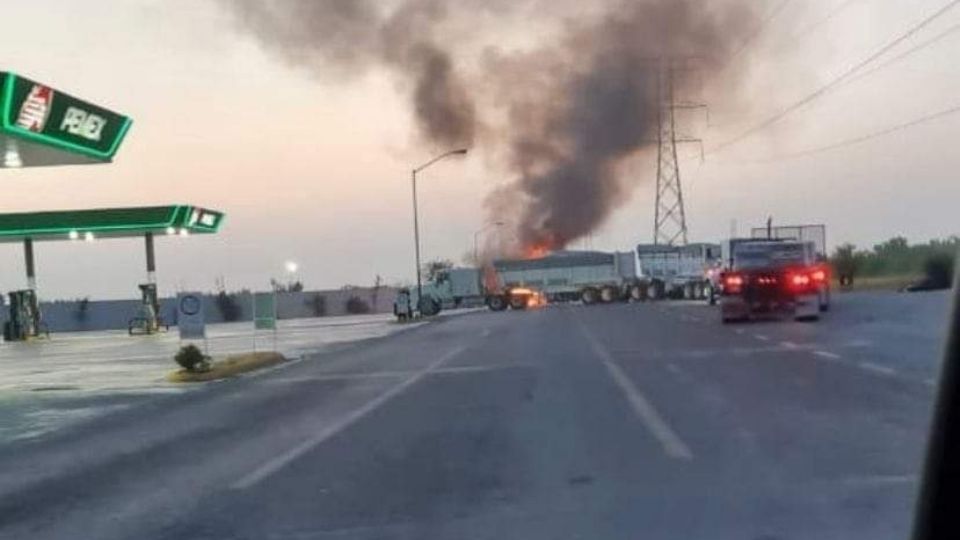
(827, 354)
(671, 443)
(278, 462)
(761, 337)
(876, 368)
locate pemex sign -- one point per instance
(40, 125)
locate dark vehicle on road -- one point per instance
(774, 277)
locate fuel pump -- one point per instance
(24, 321)
(147, 320)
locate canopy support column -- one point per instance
(151, 258)
(29, 262)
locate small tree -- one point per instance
(938, 269)
(356, 306)
(318, 304)
(293, 286)
(846, 262)
(83, 309)
(228, 306)
(432, 268)
(191, 358)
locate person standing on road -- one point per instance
(401, 306)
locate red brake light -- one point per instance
(819, 275)
(732, 284)
(799, 281)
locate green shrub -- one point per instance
(192, 358)
(356, 306)
(938, 269)
(229, 307)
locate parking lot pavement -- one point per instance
(47, 384)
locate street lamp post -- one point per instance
(416, 219)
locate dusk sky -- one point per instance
(313, 166)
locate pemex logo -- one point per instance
(36, 108)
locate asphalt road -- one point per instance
(632, 421)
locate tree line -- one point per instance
(932, 260)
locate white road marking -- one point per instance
(478, 369)
(672, 368)
(395, 374)
(881, 480)
(828, 355)
(761, 337)
(789, 345)
(740, 331)
(343, 377)
(876, 368)
(672, 445)
(485, 332)
(282, 460)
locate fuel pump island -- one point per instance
(42, 127)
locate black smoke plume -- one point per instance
(564, 116)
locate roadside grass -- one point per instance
(879, 283)
(229, 367)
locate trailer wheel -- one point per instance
(698, 291)
(589, 296)
(637, 293)
(608, 294)
(656, 290)
(496, 303)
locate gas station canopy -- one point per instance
(40, 126)
(109, 223)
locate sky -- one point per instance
(316, 169)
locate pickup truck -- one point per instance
(774, 277)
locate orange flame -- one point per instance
(536, 251)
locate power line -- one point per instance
(827, 18)
(759, 30)
(920, 46)
(869, 136)
(839, 79)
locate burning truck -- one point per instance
(588, 276)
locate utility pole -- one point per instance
(670, 219)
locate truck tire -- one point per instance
(825, 302)
(656, 290)
(589, 296)
(637, 293)
(518, 302)
(609, 294)
(688, 291)
(699, 291)
(429, 306)
(496, 303)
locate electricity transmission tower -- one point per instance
(670, 219)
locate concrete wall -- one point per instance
(68, 316)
